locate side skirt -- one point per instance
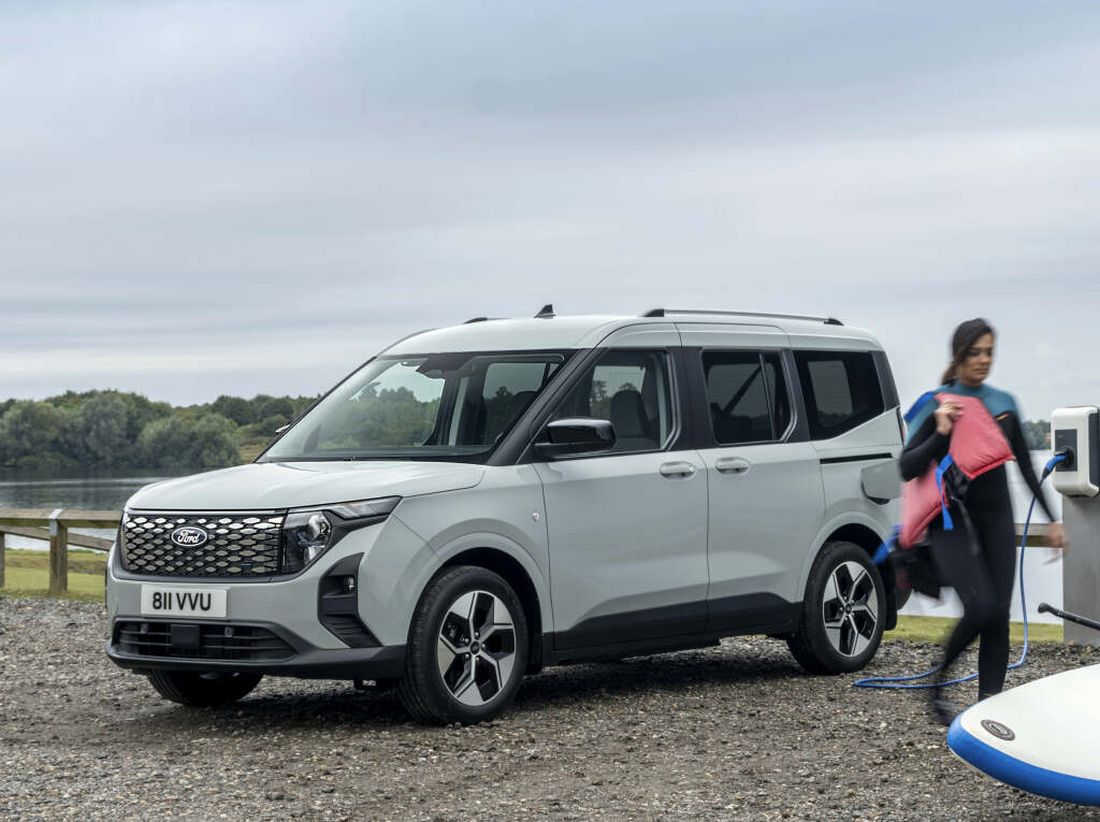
(652, 631)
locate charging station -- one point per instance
(1076, 431)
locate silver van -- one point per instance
(478, 502)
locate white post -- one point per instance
(1081, 566)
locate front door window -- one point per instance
(631, 390)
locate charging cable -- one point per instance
(910, 682)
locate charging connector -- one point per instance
(1062, 457)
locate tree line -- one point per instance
(1037, 434)
(103, 430)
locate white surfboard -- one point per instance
(1042, 737)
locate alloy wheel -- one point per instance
(849, 609)
(476, 648)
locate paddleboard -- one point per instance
(1042, 737)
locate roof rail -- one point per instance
(475, 320)
(664, 312)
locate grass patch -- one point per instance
(27, 573)
(935, 629)
(249, 449)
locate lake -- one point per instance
(100, 492)
(109, 491)
(105, 491)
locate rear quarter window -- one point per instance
(841, 390)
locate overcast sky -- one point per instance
(206, 198)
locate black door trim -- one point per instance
(855, 458)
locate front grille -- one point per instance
(241, 643)
(237, 545)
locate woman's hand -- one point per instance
(1056, 539)
(1056, 536)
(946, 414)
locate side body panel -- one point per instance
(765, 513)
(842, 460)
(628, 538)
(764, 521)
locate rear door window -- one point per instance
(746, 396)
(841, 389)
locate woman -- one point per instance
(978, 556)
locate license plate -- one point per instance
(161, 600)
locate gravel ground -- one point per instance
(731, 732)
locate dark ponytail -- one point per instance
(962, 340)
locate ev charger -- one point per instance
(1077, 432)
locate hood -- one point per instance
(271, 485)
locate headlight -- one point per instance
(308, 533)
(305, 537)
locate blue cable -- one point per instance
(900, 683)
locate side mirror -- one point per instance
(580, 435)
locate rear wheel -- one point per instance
(467, 648)
(203, 690)
(843, 612)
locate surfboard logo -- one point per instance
(998, 730)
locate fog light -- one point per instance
(349, 584)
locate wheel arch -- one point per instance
(518, 577)
(866, 534)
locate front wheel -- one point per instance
(842, 613)
(203, 690)
(467, 648)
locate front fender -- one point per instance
(504, 513)
(478, 539)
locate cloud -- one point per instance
(206, 197)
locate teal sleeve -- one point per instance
(1001, 402)
(919, 418)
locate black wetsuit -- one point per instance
(978, 557)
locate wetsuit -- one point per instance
(978, 557)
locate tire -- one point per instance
(203, 690)
(454, 670)
(843, 612)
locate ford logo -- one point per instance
(189, 537)
(998, 730)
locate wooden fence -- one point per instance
(53, 527)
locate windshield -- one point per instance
(435, 406)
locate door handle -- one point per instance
(676, 469)
(732, 465)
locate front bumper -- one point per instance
(301, 659)
(301, 626)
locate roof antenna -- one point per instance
(546, 312)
